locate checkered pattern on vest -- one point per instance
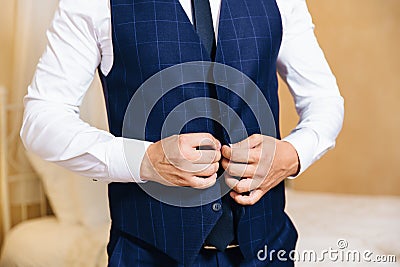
(151, 35)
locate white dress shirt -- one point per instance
(79, 40)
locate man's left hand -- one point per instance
(256, 165)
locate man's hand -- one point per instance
(178, 161)
(256, 165)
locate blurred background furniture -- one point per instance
(365, 223)
(77, 234)
(21, 191)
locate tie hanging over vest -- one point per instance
(152, 35)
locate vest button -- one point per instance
(216, 206)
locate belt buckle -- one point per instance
(208, 247)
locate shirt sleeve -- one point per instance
(302, 65)
(51, 126)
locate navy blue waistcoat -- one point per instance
(151, 35)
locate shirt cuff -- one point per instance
(305, 141)
(123, 158)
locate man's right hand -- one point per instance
(178, 161)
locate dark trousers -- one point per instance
(129, 252)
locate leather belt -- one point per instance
(208, 247)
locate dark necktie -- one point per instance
(203, 23)
(223, 232)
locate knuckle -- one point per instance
(238, 189)
(182, 139)
(256, 137)
(212, 180)
(259, 173)
(197, 183)
(208, 171)
(212, 169)
(252, 170)
(229, 170)
(253, 136)
(256, 156)
(216, 166)
(193, 183)
(209, 136)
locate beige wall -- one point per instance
(361, 39)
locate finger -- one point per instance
(231, 181)
(243, 185)
(195, 140)
(204, 170)
(205, 156)
(226, 151)
(197, 169)
(250, 142)
(249, 199)
(241, 155)
(201, 182)
(238, 169)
